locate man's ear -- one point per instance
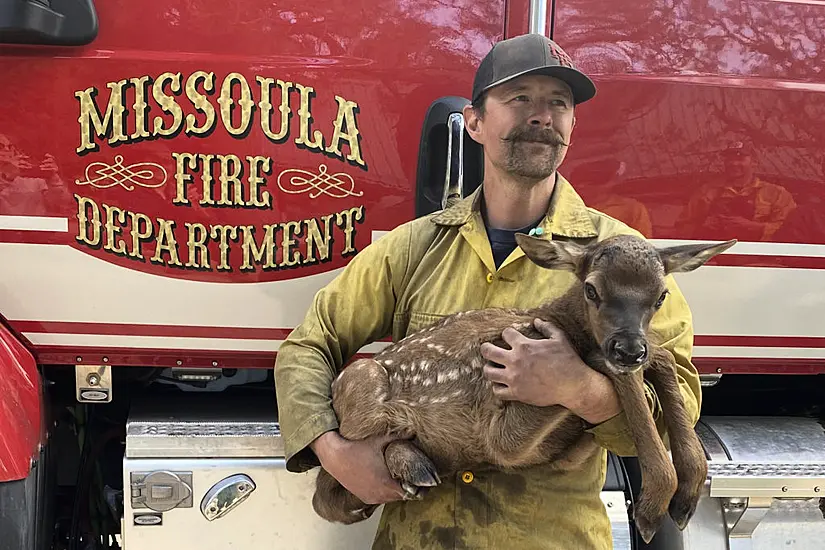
(684, 258)
(472, 122)
(551, 254)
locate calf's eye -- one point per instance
(590, 292)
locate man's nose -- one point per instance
(542, 115)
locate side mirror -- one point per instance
(48, 22)
(450, 163)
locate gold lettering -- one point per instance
(306, 118)
(200, 102)
(256, 164)
(252, 251)
(224, 233)
(112, 229)
(315, 239)
(235, 178)
(166, 243)
(265, 106)
(140, 107)
(168, 104)
(138, 236)
(227, 102)
(197, 246)
(346, 114)
(182, 179)
(348, 218)
(84, 204)
(113, 121)
(206, 178)
(291, 257)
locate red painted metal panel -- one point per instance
(199, 89)
(518, 18)
(759, 365)
(20, 407)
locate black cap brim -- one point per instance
(581, 86)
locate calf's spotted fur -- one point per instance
(430, 392)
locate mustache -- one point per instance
(541, 135)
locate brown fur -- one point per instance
(429, 389)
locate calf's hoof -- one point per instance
(411, 467)
(647, 528)
(649, 515)
(682, 507)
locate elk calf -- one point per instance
(430, 392)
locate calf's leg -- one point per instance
(658, 474)
(522, 435)
(359, 395)
(688, 454)
(333, 502)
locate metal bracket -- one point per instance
(742, 517)
(93, 383)
(709, 380)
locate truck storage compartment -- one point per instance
(206, 475)
(766, 483)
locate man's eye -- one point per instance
(521, 98)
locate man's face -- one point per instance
(526, 126)
(740, 167)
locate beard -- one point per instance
(533, 153)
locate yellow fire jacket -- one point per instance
(410, 278)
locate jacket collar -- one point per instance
(567, 215)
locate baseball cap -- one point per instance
(530, 54)
(738, 148)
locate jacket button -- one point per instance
(489, 277)
(467, 477)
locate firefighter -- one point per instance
(740, 203)
(465, 257)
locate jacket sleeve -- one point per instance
(672, 328)
(353, 310)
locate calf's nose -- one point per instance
(628, 352)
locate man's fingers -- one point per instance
(494, 353)
(496, 375)
(549, 330)
(503, 392)
(512, 336)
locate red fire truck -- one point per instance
(178, 179)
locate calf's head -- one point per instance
(623, 286)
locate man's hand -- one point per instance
(549, 372)
(359, 466)
(743, 228)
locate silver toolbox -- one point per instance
(198, 478)
(766, 484)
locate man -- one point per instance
(523, 115)
(741, 204)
